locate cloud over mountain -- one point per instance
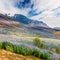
(34, 9)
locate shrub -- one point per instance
(41, 55)
(1, 45)
(17, 49)
(42, 45)
(9, 46)
(59, 59)
(58, 50)
(36, 53)
(24, 50)
(38, 42)
(45, 56)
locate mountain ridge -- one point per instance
(28, 27)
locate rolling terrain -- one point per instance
(18, 30)
(23, 25)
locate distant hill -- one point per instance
(23, 25)
(25, 20)
(57, 28)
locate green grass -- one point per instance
(24, 50)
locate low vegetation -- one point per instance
(59, 59)
(24, 50)
(58, 50)
(1, 45)
(39, 43)
(32, 47)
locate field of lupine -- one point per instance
(43, 48)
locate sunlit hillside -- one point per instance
(6, 55)
(57, 33)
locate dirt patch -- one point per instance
(6, 55)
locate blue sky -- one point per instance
(47, 11)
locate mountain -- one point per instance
(32, 24)
(23, 25)
(25, 20)
(21, 18)
(57, 28)
(5, 21)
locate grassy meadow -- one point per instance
(42, 48)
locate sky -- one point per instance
(47, 11)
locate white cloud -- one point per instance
(52, 21)
(48, 16)
(7, 6)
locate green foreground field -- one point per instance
(52, 44)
